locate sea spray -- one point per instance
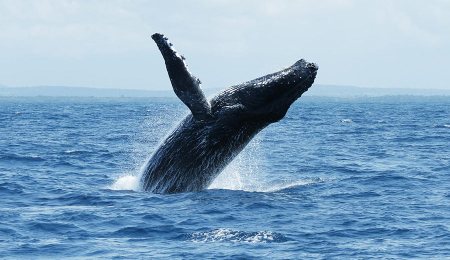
(245, 172)
(144, 143)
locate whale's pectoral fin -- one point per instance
(185, 85)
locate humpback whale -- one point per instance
(217, 130)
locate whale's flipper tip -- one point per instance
(158, 37)
(185, 85)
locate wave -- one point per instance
(77, 152)
(25, 158)
(133, 232)
(139, 232)
(441, 126)
(285, 185)
(54, 227)
(11, 188)
(234, 236)
(9, 232)
(83, 199)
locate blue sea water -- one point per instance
(336, 178)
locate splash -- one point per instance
(245, 171)
(126, 182)
(153, 128)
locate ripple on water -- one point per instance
(374, 185)
(8, 188)
(145, 232)
(55, 227)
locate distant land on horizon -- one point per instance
(318, 90)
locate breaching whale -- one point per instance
(216, 131)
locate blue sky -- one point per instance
(401, 44)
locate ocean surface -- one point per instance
(336, 178)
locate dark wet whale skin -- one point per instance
(213, 134)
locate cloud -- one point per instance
(425, 24)
(350, 39)
(70, 28)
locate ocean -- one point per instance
(353, 178)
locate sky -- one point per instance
(107, 44)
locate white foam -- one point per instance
(228, 235)
(346, 120)
(126, 182)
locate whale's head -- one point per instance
(266, 99)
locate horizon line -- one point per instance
(211, 88)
